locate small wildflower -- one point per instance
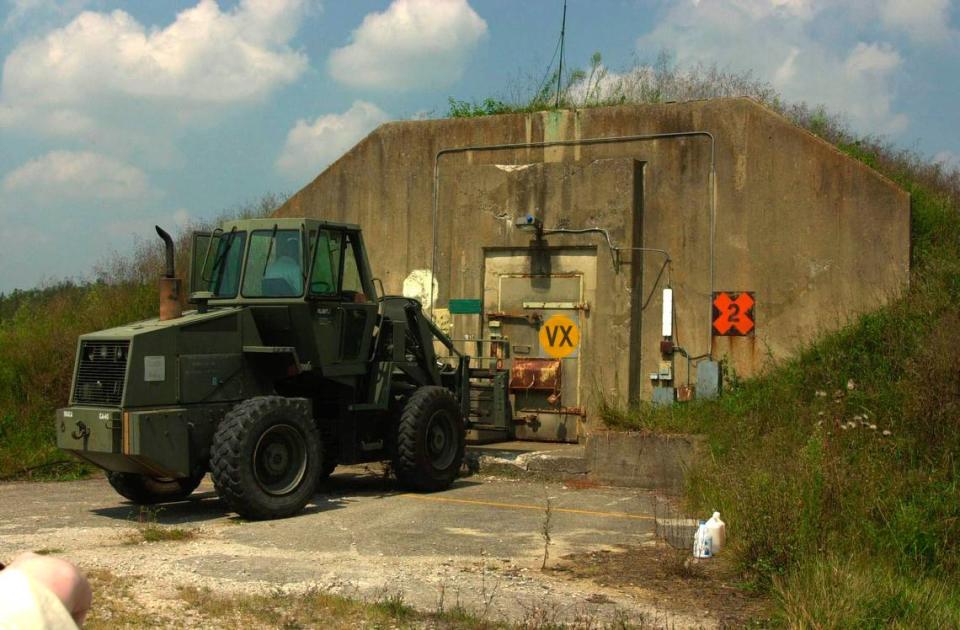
(844, 426)
(887, 432)
(821, 413)
(858, 418)
(873, 427)
(821, 394)
(852, 425)
(851, 385)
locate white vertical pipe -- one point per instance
(668, 312)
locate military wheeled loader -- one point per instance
(290, 364)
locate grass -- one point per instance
(148, 530)
(152, 533)
(861, 593)
(319, 608)
(119, 603)
(115, 604)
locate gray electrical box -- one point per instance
(709, 379)
(663, 396)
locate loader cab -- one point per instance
(280, 259)
(307, 282)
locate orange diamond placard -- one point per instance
(733, 314)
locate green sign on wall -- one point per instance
(465, 306)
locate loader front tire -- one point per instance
(430, 440)
(267, 457)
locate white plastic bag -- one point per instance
(702, 542)
(710, 537)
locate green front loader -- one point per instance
(290, 364)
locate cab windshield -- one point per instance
(274, 264)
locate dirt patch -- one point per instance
(673, 579)
(476, 549)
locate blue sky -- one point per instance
(117, 115)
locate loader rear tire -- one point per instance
(430, 440)
(266, 457)
(148, 490)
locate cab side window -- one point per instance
(352, 282)
(326, 263)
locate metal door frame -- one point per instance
(579, 276)
(509, 251)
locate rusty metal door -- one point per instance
(543, 318)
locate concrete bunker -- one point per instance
(507, 223)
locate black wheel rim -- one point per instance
(441, 442)
(280, 460)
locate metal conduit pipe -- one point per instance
(614, 254)
(580, 142)
(664, 267)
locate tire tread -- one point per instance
(226, 455)
(407, 467)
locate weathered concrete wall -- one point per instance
(642, 460)
(483, 206)
(817, 236)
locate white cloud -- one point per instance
(73, 175)
(788, 69)
(924, 21)
(142, 227)
(867, 70)
(311, 146)
(76, 78)
(22, 10)
(866, 58)
(782, 41)
(413, 44)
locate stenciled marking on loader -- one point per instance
(528, 506)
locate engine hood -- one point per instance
(129, 331)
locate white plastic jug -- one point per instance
(717, 530)
(710, 537)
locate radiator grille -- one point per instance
(100, 375)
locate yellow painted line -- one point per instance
(527, 506)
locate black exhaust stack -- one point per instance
(170, 306)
